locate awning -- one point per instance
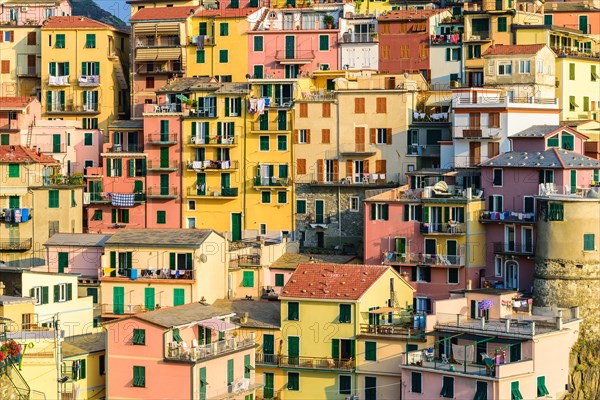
(145, 28)
(153, 54)
(13, 191)
(383, 310)
(216, 324)
(167, 28)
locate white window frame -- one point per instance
(381, 136)
(455, 214)
(523, 230)
(498, 263)
(495, 202)
(354, 204)
(504, 68)
(86, 161)
(507, 228)
(540, 66)
(328, 170)
(412, 212)
(410, 167)
(232, 113)
(379, 211)
(191, 207)
(419, 269)
(62, 297)
(37, 294)
(302, 136)
(455, 54)
(187, 222)
(525, 67)
(262, 230)
(457, 277)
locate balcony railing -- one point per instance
(471, 133)
(449, 39)
(62, 80)
(125, 148)
(362, 180)
(175, 352)
(102, 198)
(431, 117)
(162, 138)
(245, 259)
(91, 108)
(266, 359)
(358, 148)
(454, 228)
(203, 112)
(24, 70)
(10, 125)
(513, 248)
(423, 259)
(501, 100)
(162, 192)
(208, 40)
(271, 126)
(214, 140)
(15, 244)
(506, 216)
(89, 80)
(161, 41)
(300, 56)
(430, 150)
(157, 165)
(326, 363)
(209, 165)
(122, 309)
(147, 273)
(271, 181)
(212, 193)
(162, 108)
(358, 37)
(478, 35)
(575, 52)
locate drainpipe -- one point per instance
(244, 166)
(468, 239)
(181, 188)
(339, 195)
(292, 174)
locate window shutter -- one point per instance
(427, 274)
(366, 166)
(335, 348)
(388, 136)
(172, 260)
(349, 168)
(413, 276)
(320, 170)
(428, 303)
(372, 135)
(45, 295)
(296, 136)
(448, 54)
(308, 136)
(336, 172)
(227, 106)
(56, 293)
(325, 136)
(301, 166)
(108, 167)
(69, 291)
(188, 261)
(131, 167)
(406, 212)
(385, 211)
(373, 212)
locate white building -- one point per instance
(359, 46)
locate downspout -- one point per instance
(356, 315)
(292, 202)
(339, 207)
(468, 241)
(245, 183)
(181, 172)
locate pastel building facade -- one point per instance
(359, 43)
(20, 59)
(581, 73)
(35, 13)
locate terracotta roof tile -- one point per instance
(15, 102)
(73, 22)
(21, 154)
(227, 12)
(409, 14)
(513, 49)
(163, 13)
(331, 281)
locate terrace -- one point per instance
(179, 350)
(393, 258)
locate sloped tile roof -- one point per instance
(163, 13)
(77, 239)
(74, 22)
(537, 131)
(160, 237)
(22, 154)
(549, 159)
(513, 49)
(12, 103)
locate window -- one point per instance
(102, 365)
(447, 387)
(515, 393)
(548, 19)
(541, 387)
(63, 292)
(191, 222)
(97, 215)
(415, 382)
(589, 242)
(383, 136)
(178, 297)
(282, 143)
(345, 315)
(258, 43)
(248, 279)
(453, 276)
(495, 203)
(553, 141)
(258, 71)
(571, 71)
(90, 41)
(88, 139)
(264, 143)
(474, 51)
(14, 170)
(279, 280)
(370, 351)
(528, 204)
(282, 197)
(224, 29)
(90, 123)
(139, 376)
(300, 206)
(262, 229)
(515, 352)
(9, 36)
(293, 381)
(139, 337)
(493, 120)
(60, 41)
(323, 42)
(293, 311)
(265, 197)
(504, 68)
(547, 176)
(497, 176)
(53, 199)
(453, 55)
(359, 105)
(40, 294)
(498, 266)
(223, 56)
(540, 67)
(593, 73)
(421, 274)
(161, 217)
(192, 205)
(200, 56)
(379, 212)
(524, 67)
(556, 212)
(501, 24)
(413, 212)
(149, 82)
(303, 136)
(572, 104)
(120, 216)
(354, 204)
(345, 384)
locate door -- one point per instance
(263, 121)
(268, 349)
(527, 240)
(149, 299)
(118, 300)
(435, 221)
(359, 139)
(164, 157)
(452, 251)
(63, 262)
(359, 170)
(401, 246)
(236, 227)
(319, 211)
(321, 240)
(509, 238)
(347, 349)
(290, 47)
(164, 184)
(573, 181)
(269, 385)
(201, 184)
(225, 181)
(474, 154)
(282, 120)
(293, 350)
(133, 142)
(512, 275)
(430, 247)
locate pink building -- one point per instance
(578, 15)
(191, 351)
(16, 115)
(488, 345)
(137, 185)
(75, 253)
(544, 157)
(295, 42)
(36, 12)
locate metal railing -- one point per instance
(358, 37)
(125, 148)
(386, 180)
(493, 99)
(273, 125)
(147, 273)
(513, 248)
(423, 259)
(327, 363)
(24, 70)
(430, 150)
(506, 216)
(157, 165)
(212, 193)
(245, 259)
(456, 228)
(203, 140)
(162, 138)
(161, 41)
(221, 165)
(451, 38)
(122, 309)
(73, 108)
(204, 112)
(174, 351)
(162, 191)
(15, 244)
(346, 148)
(294, 54)
(266, 359)
(271, 181)
(479, 35)
(405, 330)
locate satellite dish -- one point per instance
(202, 258)
(248, 76)
(406, 75)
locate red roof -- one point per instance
(163, 13)
(14, 102)
(74, 22)
(22, 154)
(409, 14)
(227, 12)
(332, 281)
(513, 49)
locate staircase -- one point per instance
(13, 385)
(261, 19)
(119, 72)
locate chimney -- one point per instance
(2, 288)
(507, 325)
(244, 318)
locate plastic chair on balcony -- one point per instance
(445, 359)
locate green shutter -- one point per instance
(118, 300)
(415, 382)
(227, 106)
(515, 392)
(323, 42)
(541, 387)
(248, 279)
(571, 71)
(293, 311)
(229, 372)
(200, 56)
(69, 291)
(335, 348)
(203, 383)
(178, 297)
(149, 298)
(279, 279)
(53, 199)
(223, 56)
(45, 290)
(258, 43)
(588, 242)
(202, 28)
(172, 261)
(371, 351)
(247, 366)
(56, 293)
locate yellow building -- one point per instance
(84, 66)
(148, 269)
(31, 184)
(224, 50)
(333, 303)
(84, 365)
(578, 87)
(137, 5)
(20, 60)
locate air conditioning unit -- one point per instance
(24, 9)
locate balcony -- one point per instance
(160, 41)
(294, 56)
(446, 40)
(123, 149)
(478, 36)
(100, 198)
(245, 260)
(11, 125)
(265, 181)
(511, 248)
(266, 359)
(353, 37)
(324, 363)
(403, 330)
(15, 244)
(202, 352)
(203, 112)
(213, 165)
(173, 67)
(162, 108)
(24, 71)
(357, 180)
(162, 192)
(502, 101)
(453, 228)
(208, 40)
(506, 217)
(162, 139)
(146, 273)
(273, 126)
(574, 51)
(71, 108)
(62, 80)
(165, 53)
(216, 141)
(240, 387)
(471, 133)
(430, 150)
(213, 193)
(357, 149)
(89, 80)
(161, 166)
(122, 309)
(419, 117)
(393, 258)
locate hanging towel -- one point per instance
(123, 199)
(200, 42)
(260, 106)
(24, 214)
(225, 164)
(253, 105)
(197, 165)
(17, 215)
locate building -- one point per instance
(143, 270)
(574, 15)
(194, 348)
(33, 184)
(97, 91)
(334, 295)
(446, 52)
(359, 43)
(581, 72)
(488, 345)
(522, 71)
(20, 59)
(84, 364)
(338, 158)
(35, 13)
(542, 155)
(159, 40)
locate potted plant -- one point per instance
(328, 21)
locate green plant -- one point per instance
(328, 20)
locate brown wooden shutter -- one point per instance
(5, 69)
(31, 39)
(359, 105)
(381, 105)
(380, 166)
(336, 171)
(326, 136)
(301, 166)
(308, 136)
(296, 136)
(372, 135)
(388, 135)
(493, 149)
(326, 110)
(474, 120)
(12, 36)
(359, 138)
(320, 170)
(303, 110)
(366, 166)
(349, 167)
